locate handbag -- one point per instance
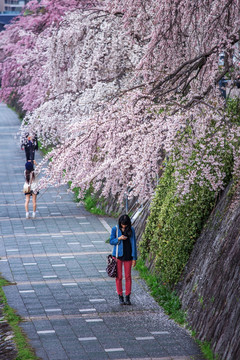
(111, 268)
(26, 187)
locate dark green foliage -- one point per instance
(173, 227)
(176, 221)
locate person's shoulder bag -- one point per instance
(111, 268)
(27, 186)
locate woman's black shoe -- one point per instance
(127, 301)
(121, 300)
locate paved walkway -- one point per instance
(57, 262)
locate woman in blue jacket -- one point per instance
(126, 253)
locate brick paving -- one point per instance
(57, 264)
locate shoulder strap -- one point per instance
(117, 243)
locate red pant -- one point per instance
(128, 279)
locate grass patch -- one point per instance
(25, 352)
(92, 202)
(205, 347)
(165, 297)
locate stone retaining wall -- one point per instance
(210, 289)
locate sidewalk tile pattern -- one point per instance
(57, 263)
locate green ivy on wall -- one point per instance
(172, 228)
(174, 224)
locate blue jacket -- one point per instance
(114, 241)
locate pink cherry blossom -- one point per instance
(118, 87)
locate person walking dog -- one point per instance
(30, 187)
(123, 235)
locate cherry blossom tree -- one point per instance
(184, 40)
(117, 87)
(22, 54)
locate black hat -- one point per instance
(29, 166)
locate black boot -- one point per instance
(121, 300)
(127, 301)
